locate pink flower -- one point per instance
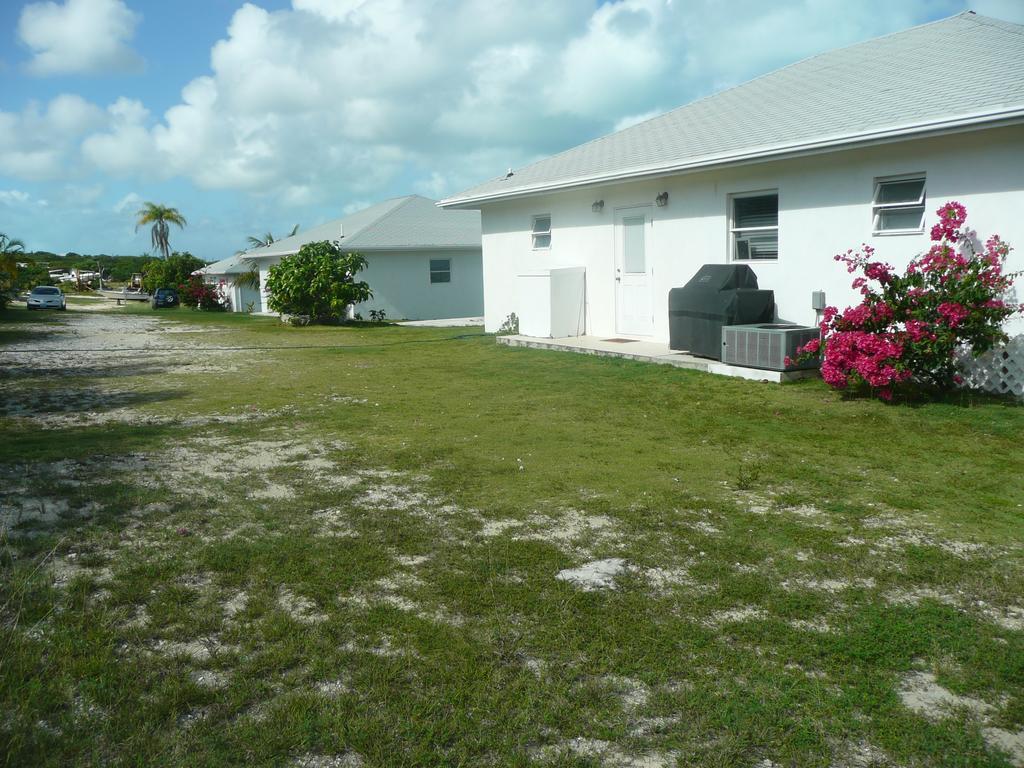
(918, 330)
(810, 347)
(952, 215)
(876, 270)
(953, 313)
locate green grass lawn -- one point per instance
(250, 544)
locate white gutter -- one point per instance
(379, 249)
(780, 151)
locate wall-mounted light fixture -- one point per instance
(598, 206)
(661, 200)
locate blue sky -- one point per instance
(252, 117)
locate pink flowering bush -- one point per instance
(908, 327)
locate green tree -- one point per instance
(318, 282)
(10, 250)
(173, 272)
(31, 275)
(161, 217)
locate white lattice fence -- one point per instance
(1000, 370)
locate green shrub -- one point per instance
(318, 282)
(174, 271)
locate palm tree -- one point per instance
(160, 216)
(251, 279)
(267, 239)
(9, 250)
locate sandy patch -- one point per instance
(332, 689)
(634, 694)
(595, 575)
(205, 678)
(1011, 617)
(818, 625)
(65, 569)
(918, 594)
(1012, 743)
(44, 510)
(299, 608)
(604, 753)
(831, 586)
(346, 760)
(235, 604)
(273, 492)
(199, 650)
(334, 522)
(84, 343)
(571, 530)
(921, 693)
(734, 616)
(386, 647)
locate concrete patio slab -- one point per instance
(650, 352)
(451, 322)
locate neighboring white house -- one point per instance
(857, 145)
(226, 274)
(423, 263)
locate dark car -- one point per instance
(164, 297)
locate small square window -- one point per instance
(541, 232)
(755, 227)
(898, 205)
(440, 270)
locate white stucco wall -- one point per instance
(401, 285)
(824, 208)
(239, 297)
(400, 281)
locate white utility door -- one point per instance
(633, 307)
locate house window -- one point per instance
(440, 270)
(898, 205)
(541, 232)
(755, 226)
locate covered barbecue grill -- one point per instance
(718, 295)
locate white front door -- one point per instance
(633, 307)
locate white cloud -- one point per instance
(630, 120)
(13, 196)
(355, 207)
(21, 199)
(129, 202)
(339, 100)
(126, 146)
(79, 37)
(41, 143)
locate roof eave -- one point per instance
(381, 248)
(962, 123)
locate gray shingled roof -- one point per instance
(964, 70)
(401, 224)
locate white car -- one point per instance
(46, 297)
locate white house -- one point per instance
(423, 263)
(857, 145)
(226, 273)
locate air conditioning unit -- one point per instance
(766, 345)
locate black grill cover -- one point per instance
(718, 295)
